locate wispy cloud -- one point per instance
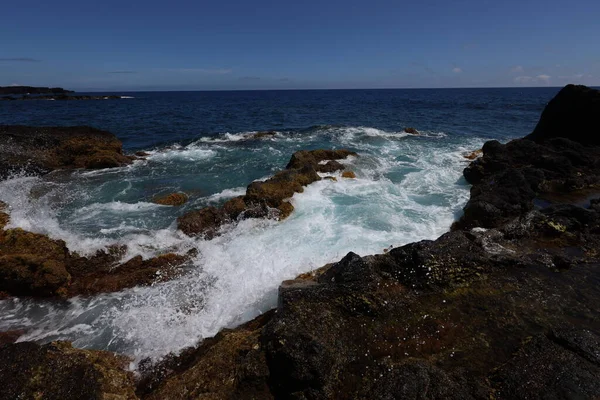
(249, 78)
(539, 79)
(457, 70)
(122, 72)
(574, 76)
(544, 77)
(206, 71)
(20, 59)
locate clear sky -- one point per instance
(260, 44)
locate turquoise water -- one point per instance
(408, 188)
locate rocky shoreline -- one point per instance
(506, 305)
(62, 97)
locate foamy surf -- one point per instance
(405, 190)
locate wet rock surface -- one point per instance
(38, 150)
(504, 306)
(560, 157)
(266, 199)
(172, 199)
(56, 371)
(32, 264)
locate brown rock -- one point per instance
(330, 178)
(10, 336)
(173, 199)
(231, 365)
(4, 218)
(473, 155)
(205, 221)
(262, 197)
(32, 264)
(44, 149)
(412, 131)
(263, 134)
(282, 186)
(313, 157)
(285, 209)
(56, 371)
(329, 167)
(348, 174)
(141, 154)
(103, 273)
(234, 207)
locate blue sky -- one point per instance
(259, 44)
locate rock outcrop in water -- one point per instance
(268, 198)
(507, 312)
(32, 264)
(39, 150)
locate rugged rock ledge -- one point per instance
(508, 312)
(268, 198)
(40, 150)
(32, 264)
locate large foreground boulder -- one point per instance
(56, 371)
(44, 149)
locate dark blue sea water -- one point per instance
(154, 118)
(408, 188)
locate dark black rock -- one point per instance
(574, 113)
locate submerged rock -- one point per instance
(412, 131)
(40, 150)
(264, 199)
(172, 199)
(263, 134)
(348, 174)
(473, 155)
(56, 371)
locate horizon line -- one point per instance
(320, 89)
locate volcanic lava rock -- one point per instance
(265, 199)
(56, 371)
(32, 264)
(572, 114)
(508, 311)
(40, 150)
(172, 199)
(560, 156)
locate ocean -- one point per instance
(408, 188)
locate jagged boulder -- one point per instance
(574, 113)
(56, 371)
(43, 149)
(172, 199)
(266, 198)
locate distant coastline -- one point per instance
(28, 90)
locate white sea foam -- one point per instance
(404, 191)
(192, 152)
(226, 194)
